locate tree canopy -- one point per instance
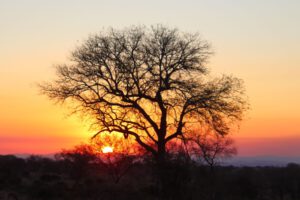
(147, 83)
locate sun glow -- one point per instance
(107, 149)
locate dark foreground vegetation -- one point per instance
(74, 176)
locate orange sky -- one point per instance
(256, 41)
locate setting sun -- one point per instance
(107, 149)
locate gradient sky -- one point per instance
(258, 41)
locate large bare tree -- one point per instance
(147, 83)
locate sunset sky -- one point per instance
(258, 41)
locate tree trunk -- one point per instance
(168, 175)
(160, 173)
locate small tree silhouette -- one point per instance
(121, 159)
(79, 160)
(210, 147)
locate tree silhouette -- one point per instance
(79, 160)
(147, 83)
(210, 147)
(121, 160)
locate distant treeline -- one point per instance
(75, 176)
